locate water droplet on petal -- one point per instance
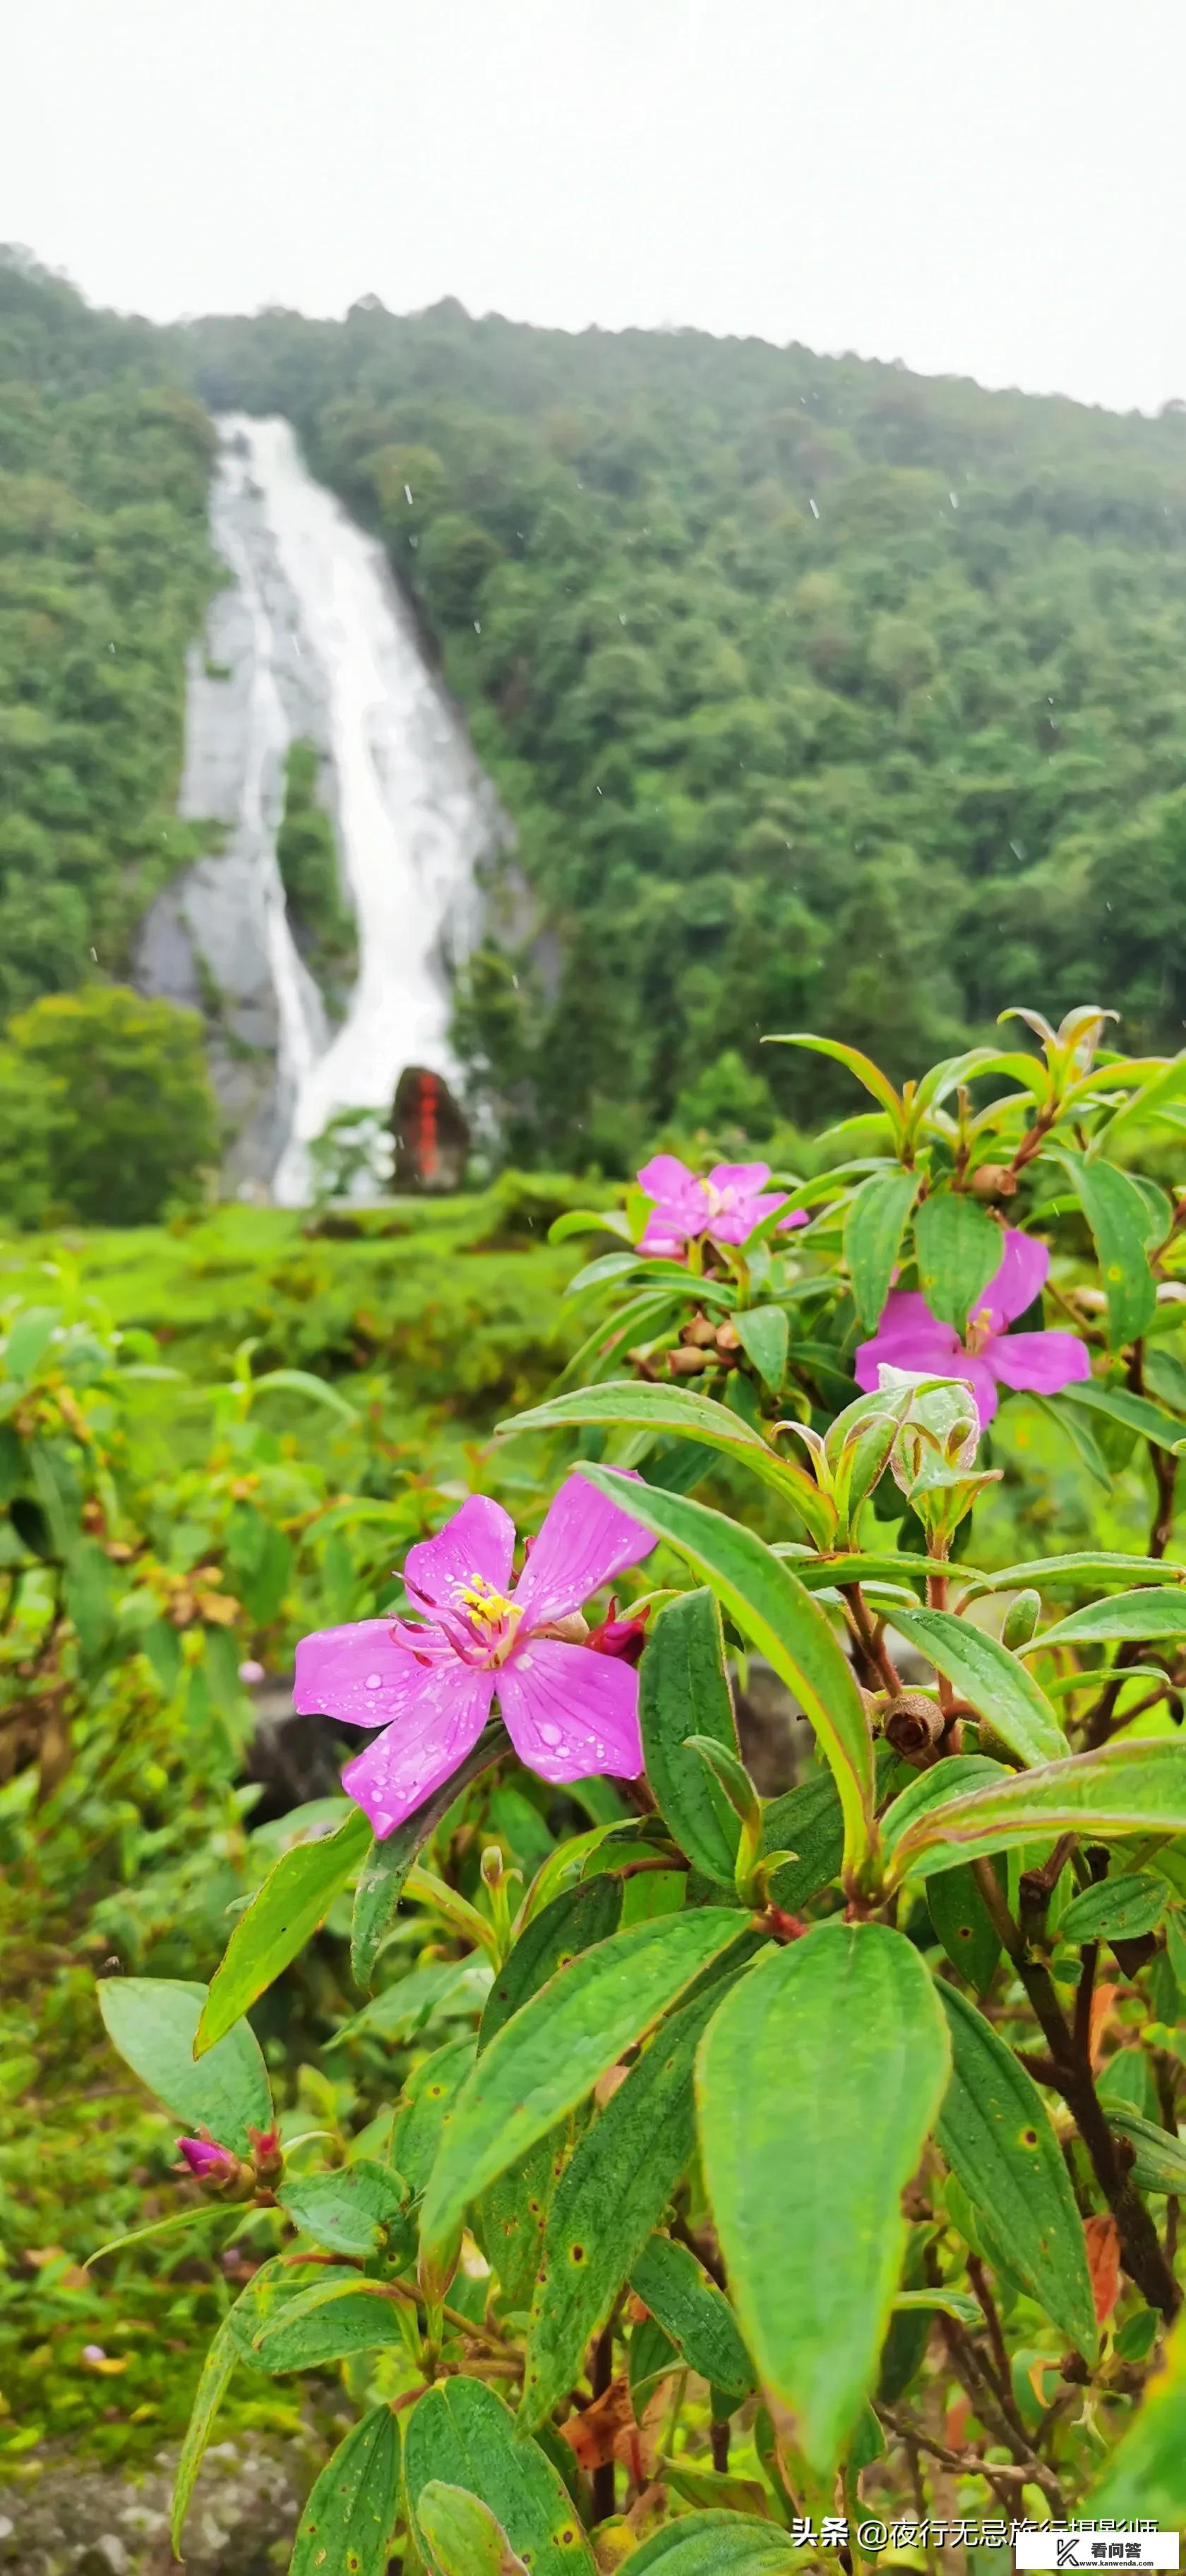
(374, 1681)
(548, 1733)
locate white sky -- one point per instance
(994, 188)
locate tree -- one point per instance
(133, 1122)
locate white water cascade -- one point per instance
(311, 639)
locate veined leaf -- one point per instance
(683, 1691)
(1160, 2155)
(461, 2434)
(715, 2544)
(772, 1608)
(384, 1872)
(1137, 1784)
(574, 1921)
(1115, 1909)
(962, 1921)
(664, 1409)
(608, 2200)
(1084, 1566)
(1149, 1613)
(336, 2316)
(984, 1672)
(428, 2098)
(1165, 1430)
(874, 1223)
(1119, 1222)
(462, 2536)
(764, 1333)
(866, 1071)
(588, 1221)
(354, 2209)
(153, 2022)
(806, 2188)
(295, 1897)
(217, 2368)
(545, 2060)
(690, 2308)
(959, 1248)
(349, 2520)
(997, 2136)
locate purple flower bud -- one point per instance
(251, 1671)
(92, 2353)
(209, 2162)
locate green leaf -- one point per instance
(588, 1221)
(690, 2308)
(874, 1223)
(1126, 1615)
(866, 1071)
(90, 1596)
(1116, 1909)
(358, 2209)
(429, 2096)
(998, 2139)
(461, 2435)
(1160, 2163)
(295, 1898)
(29, 1338)
(1165, 1430)
(961, 1919)
(1137, 1784)
(683, 1691)
(806, 2188)
(1084, 1566)
(716, 2544)
(350, 2518)
(1146, 2476)
(334, 2318)
(772, 1608)
(1075, 1428)
(611, 2196)
(574, 1921)
(950, 2303)
(549, 2056)
(462, 2536)
(662, 1409)
(959, 1248)
(384, 1872)
(984, 1672)
(1119, 1222)
(764, 1333)
(213, 2383)
(153, 2022)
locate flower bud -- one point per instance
(624, 1638)
(251, 1671)
(699, 1333)
(266, 2152)
(993, 1181)
(686, 1363)
(209, 2163)
(1021, 1619)
(492, 1866)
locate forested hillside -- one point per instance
(819, 693)
(104, 570)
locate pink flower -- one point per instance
(728, 1205)
(209, 2162)
(908, 1336)
(430, 1685)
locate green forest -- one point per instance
(817, 692)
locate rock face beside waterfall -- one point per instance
(310, 640)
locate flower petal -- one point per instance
(798, 1216)
(403, 1766)
(658, 1236)
(1016, 1284)
(742, 1212)
(1038, 1363)
(908, 1336)
(569, 1713)
(479, 1540)
(977, 1373)
(738, 1180)
(681, 1201)
(360, 1673)
(584, 1542)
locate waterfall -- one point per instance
(310, 638)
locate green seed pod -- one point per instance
(1021, 1619)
